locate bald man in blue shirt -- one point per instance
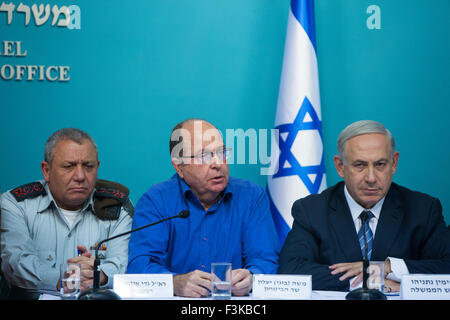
(229, 220)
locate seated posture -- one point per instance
(229, 220)
(404, 228)
(58, 219)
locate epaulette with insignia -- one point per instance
(28, 191)
(109, 197)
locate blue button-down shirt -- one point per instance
(237, 229)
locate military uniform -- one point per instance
(36, 237)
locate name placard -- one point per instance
(281, 286)
(143, 286)
(425, 287)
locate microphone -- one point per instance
(365, 293)
(97, 293)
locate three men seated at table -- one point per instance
(229, 219)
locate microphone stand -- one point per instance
(97, 293)
(365, 293)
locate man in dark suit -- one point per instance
(405, 228)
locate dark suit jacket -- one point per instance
(410, 227)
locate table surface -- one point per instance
(315, 295)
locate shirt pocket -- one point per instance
(48, 257)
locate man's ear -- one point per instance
(177, 164)
(395, 161)
(45, 167)
(339, 164)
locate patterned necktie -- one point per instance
(365, 217)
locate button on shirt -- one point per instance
(37, 238)
(237, 229)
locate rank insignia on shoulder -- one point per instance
(109, 197)
(113, 193)
(28, 191)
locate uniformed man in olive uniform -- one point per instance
(61, 217)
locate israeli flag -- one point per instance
(298, 156)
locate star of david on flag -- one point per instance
(298, 156)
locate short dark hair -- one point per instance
(73, 134)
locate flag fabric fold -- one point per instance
(298, 152)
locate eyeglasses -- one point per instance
(207, 156)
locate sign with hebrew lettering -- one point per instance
(143, 286)
(63, 16)
(33, 16)
(425, 287)
(280, 286)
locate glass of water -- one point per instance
(376, 275)
(70, 277)
(221, 280)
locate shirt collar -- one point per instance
(48, 200)
(356, 208)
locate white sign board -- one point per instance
(425, 287)
(143, 286)
(280, 286)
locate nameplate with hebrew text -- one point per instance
(425, 287)
(280, 286)
(143, 286)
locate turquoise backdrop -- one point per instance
(139, 67)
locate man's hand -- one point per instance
(387, 267)
(195, 284)
(86, 260)
(391, 286)
(241, 282)
(84, 252)
(351, 269)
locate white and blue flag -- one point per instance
(299, 153)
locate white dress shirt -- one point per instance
(398, 266)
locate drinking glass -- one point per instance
(376, 275)
(70, 277)
(221, 273)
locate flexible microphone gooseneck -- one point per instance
(364, 218)
(365, 293)
(104, 294)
